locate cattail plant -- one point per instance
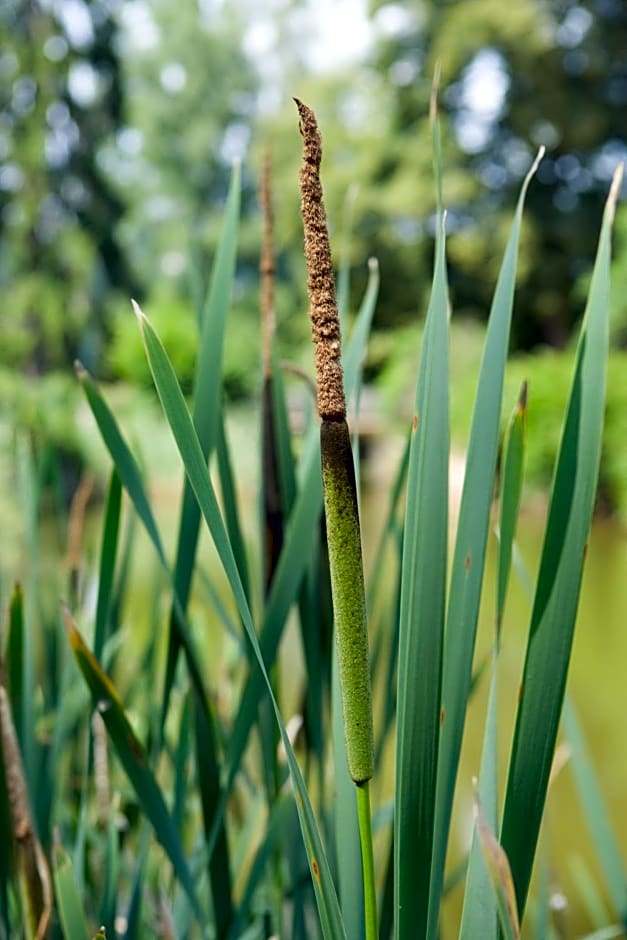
(340, 495)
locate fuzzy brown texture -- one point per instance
(325, 321)
(267, 266)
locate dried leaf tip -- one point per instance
(325, 321)
(137, 310)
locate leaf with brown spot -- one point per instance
(500, 875)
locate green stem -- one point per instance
(367, 860)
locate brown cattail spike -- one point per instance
(325, 321)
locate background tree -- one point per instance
(538, 73)
(60, 98)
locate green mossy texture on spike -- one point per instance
(349, 600)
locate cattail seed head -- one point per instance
(325, 321)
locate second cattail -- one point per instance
(338, 472)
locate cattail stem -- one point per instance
(338, 472)
(340, 503)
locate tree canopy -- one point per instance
(119, 123)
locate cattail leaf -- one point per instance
(68, 896)
(230, 504)
(108, 555)
(185, 436)
(500, 874)
(511, 490)
(133, 758)
(596, 813)
(480, 910)
(479, 916)
(14, 657)
(469, 554)
(421, 624)
(206, 408)
(559, 578)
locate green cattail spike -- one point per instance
(338, 472)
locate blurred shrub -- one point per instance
(548, 373)
(176, 324)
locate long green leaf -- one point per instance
(108, 555)
(497, 865)
(69, 904)
(596, 813)
(182, 428)
(423, 591)
(13, 658)
(511, 491)
(133, 758)
(479, 915)
(559, 578)
(206, 409)
(469, 554)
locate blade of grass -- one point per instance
(131, 479)
(14, 659)
(206, 409)
(185, 436)
(596, 813)
(511, 491)
(133, 758)
(500, 876)
(469, 553)
(479, 915)
(559, 578)
(68, 897)
(421, 620)
(229, 503)
(108, 555)
(422, 606)
(589, 893)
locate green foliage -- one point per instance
(177, 325)
(548, 373)
(145, 777)
(60, 101)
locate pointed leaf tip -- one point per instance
(435, 91)
(612, 198)
(534, 166)
(81, 371)
(137, 310)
